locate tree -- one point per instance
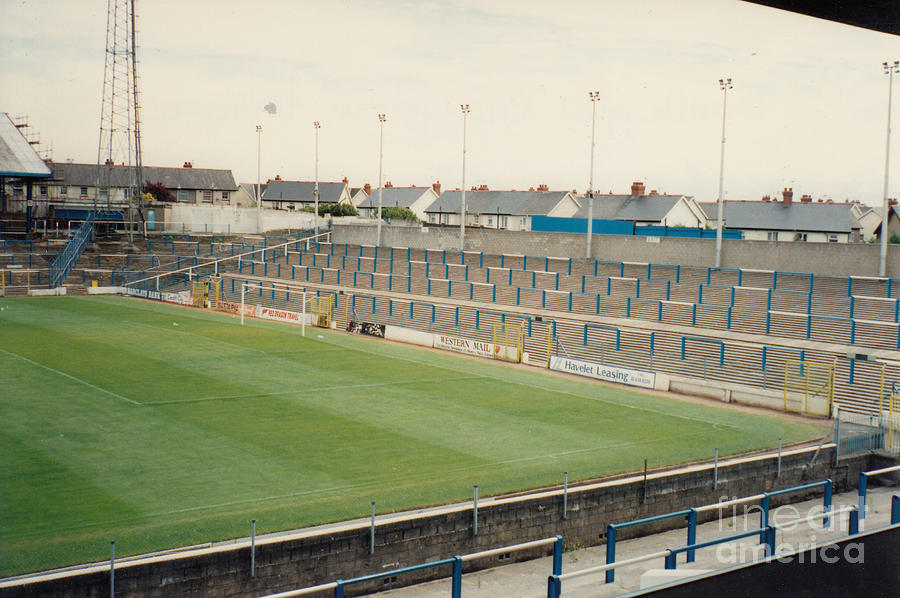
(159, 191)
(397, 213)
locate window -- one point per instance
(83, 192)
(832, 238)
(504, 221)
(445, 218)
(432, 218)
(523, 222)
(63, 190)
(490, 221)
(474, 218)
(43, 190)
(225, 196)
(182, 195)
(104, 193)
(17, 189)
(800, 236)
(771, 236)
(207, 196)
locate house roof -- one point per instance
(528, 203)
(642, 208)
(402, 197)
(775, 215)
(87, 175)
(303, 191)
(17, 157)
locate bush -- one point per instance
(393, 212)
(159, 191)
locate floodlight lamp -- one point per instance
(258, 128)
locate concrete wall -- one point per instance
(229, 219)
(313, 557)
(835, 259)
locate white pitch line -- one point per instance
(69, 376)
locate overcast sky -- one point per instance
(808, 109)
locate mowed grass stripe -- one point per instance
(259, 422)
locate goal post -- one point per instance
(508, 340)
(272, 301)
(808, 387)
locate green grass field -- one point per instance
(118, 424)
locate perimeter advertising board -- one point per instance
(607, 373)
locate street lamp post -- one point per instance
(889, 70)
(464, 108)
(381, 119)
(595, 96)
(258, 162)
(724, 85)
(316, 127)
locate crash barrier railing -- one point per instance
(691, 516)
(670, 555)
(456, 564)
(864, 482)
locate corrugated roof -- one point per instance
(302, 191)
(776, 216)
(402, 197)
(86, 175)
(17, 157)
(528, 203)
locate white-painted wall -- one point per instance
(230, 219)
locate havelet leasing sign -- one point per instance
(607, 373)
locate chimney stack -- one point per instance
(437, 188)
(766, 198)
(367, 188)
(805, 199)
(346, 180)
(277, 176)
(188, 165)
(483, 188)
(543, 187)
(788, 195)
(637, 189)
(388, 185)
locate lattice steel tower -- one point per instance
(120, 122)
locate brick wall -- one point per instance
(311, 558)
(835, 259)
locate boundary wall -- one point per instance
(833, 259)
(309, 557)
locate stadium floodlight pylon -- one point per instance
(272, 301)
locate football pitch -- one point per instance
(159, 426)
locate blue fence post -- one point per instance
(854, 522)
(863, 479)
(829, 487)
(456, 584)
(610, 552)
(339, 589)
(895, 509)
(770, 540)
(763, 516)
(554, 587)
(558, 550)
(671, 561)
(692, 534)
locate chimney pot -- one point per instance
(346, 180)
(787, 195)
(437, 187)
(805, 199)
(188, 165)
(388, 185)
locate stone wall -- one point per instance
(313, 557)
(833, 259)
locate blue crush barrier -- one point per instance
(863, 488)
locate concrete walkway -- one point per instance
(529, 579)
